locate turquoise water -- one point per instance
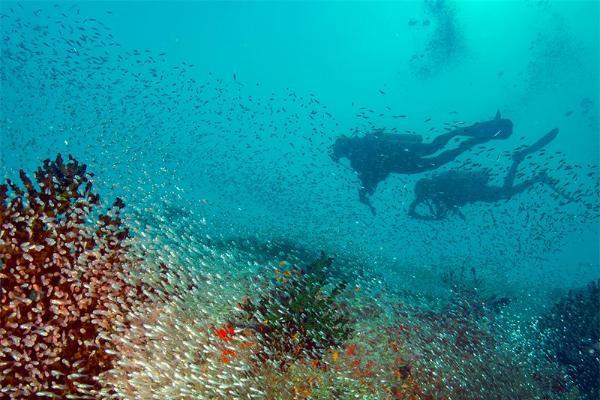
(226, 112)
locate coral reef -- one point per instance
(301, 335)
(90, 309)
(299, 318)
(574, 325)
(63, 283)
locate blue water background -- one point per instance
(252, 159)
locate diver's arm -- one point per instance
(412, 209)
(363, 198)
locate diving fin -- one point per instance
(498, 116)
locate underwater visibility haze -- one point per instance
(300, 200)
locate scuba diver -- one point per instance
(374, 156)
(449, 191)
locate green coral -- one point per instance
(300, 317)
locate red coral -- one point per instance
(64, 282)
(225, 333)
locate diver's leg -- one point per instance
(478, 130)
(552, 183)
(543, 141)
(509, 192)
(540, 178)
(520, 155)
(425, 149)
(449, 155)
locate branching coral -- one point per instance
(64, 282)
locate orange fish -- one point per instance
(335, 355)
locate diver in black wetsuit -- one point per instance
(449, 191)
(377, 154)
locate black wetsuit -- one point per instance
(449, 191)
(376, 155)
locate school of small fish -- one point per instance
(207, 281)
